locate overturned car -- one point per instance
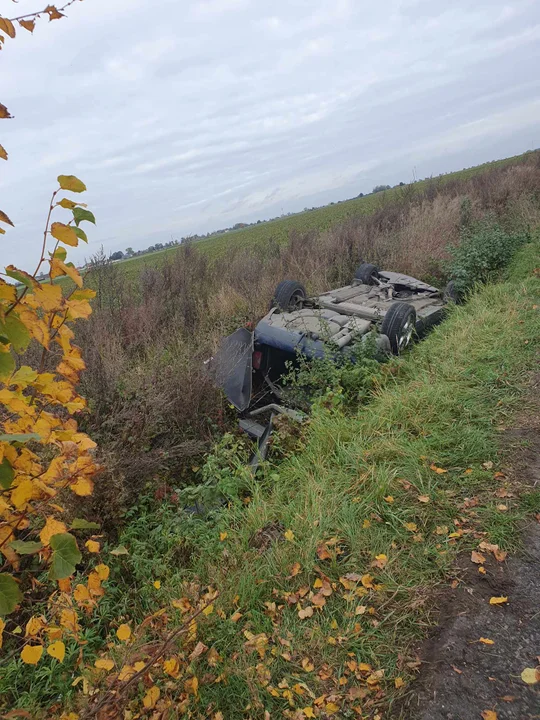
(388, 307)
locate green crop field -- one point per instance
(318, 220)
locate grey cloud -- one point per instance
(209, 113)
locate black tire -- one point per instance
(451, 293)
(367, 273)
(289, 295)
(398, 325)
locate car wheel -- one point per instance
(451, 293)
(367, 273)
(399, 325)
(289, 295)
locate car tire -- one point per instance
(398, 325)
(451, 294)
(289, 295)
(367, 273)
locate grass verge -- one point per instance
(326, 569)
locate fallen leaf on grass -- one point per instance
(438, 470)
(412, 527)
(200, 648)
(307, 665)
(399, 682)
(288, 535)
(531, 676)
(380, 561)
(389, 499)
(489, 715)
(498, 600)
(222, 536)
(151, 697)
(104, 664)
(305, 612)
(124, 632)
(235, 617)
(424, 498)
(322, 552)
(295, 570)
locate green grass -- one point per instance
(318, 220)
(355, 480)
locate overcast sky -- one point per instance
(184, 117)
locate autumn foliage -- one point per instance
(44, 458)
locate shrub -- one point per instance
(484, 250)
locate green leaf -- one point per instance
(24, 547)
(15, 332)
(7, 364)
(21, 277)
(60, 253)
(82, 524)
(20, 437)
(65, 556)
(72, 183)
(80, 234)
(10, 595)
(6, 474)
(80, 214)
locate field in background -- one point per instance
(317, 220)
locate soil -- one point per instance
(460, 677)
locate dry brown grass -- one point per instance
(153, 407)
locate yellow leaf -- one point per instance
(57, 650)
(126, 672)
(69, 620)
(191, 686)
(208, 610)
(172, 667)
(399, 682)
(102, 571)
(157, 584)
(307, 665)
(70, 182)
(308, 712)
(367, 580)
(489, 715)
(104, 664)
(331, 708)
(412, 527)
(49, 297)
(124, 632)
(31, 654)
(82, 487)
(486, 641)
(52, 527)
(380, 561)
(438, 470)
(25, 491)
(64, 233)
(366, 524)
(389, 499)
(151, 697)
(289, 535)
(3, 153)
(222, 536)
(7, 26)
(92, 546)
(59, 268)
(35, 625)
(81, 594)
(498, 600)
(530, 676)
(70, 204)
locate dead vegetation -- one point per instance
(154, 410)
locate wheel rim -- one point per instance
(296, 301)
(406, 334)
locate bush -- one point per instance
(485, 249)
